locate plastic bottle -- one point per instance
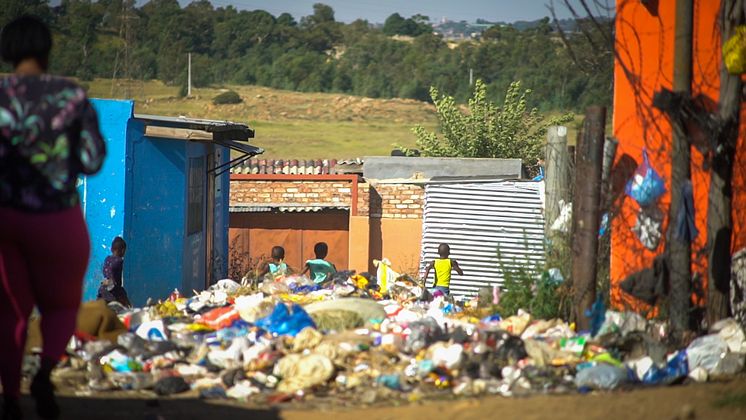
(174, 295)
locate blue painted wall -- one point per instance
(156, 223)
(103, 194)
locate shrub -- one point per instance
(530, 287)
(487, 130)
(225, 98)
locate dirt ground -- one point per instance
(721, 400)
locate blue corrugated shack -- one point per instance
(164, 189)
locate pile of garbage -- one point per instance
(289, 339)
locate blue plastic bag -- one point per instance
(286, 321)
(646, 185)
(675, 369)
(597, 314)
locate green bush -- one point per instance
(225, 98)
(529, 287)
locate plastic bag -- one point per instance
(563, 221)
(648, 227)
(646, 185)
(706, 352)
(676, 368)
(601, 376)
(153, 330)
(423, 333)
(734, 51)
(286, 321)
(729, 330)
(385, 274)
(303, 371)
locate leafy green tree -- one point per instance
(394, 25)
(12, 9)
(321, 14)
(79, 37)
(414, 26)
(487, 130)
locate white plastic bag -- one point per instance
(706, 352)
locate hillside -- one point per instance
(289, 124)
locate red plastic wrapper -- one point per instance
(220, 318)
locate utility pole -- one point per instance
(585, 212)
(471, 77)
(125, 33)
(557, 176)
(679, 249)
(189, 75)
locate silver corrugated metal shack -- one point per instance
(490, 227)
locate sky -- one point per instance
(376, 11)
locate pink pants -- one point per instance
(43, 258)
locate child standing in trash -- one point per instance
(276, 267)
(111, 289)
(320, 269)
(443, 267)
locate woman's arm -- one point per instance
(91, 149)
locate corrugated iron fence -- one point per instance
(490, 227)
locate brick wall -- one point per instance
(290, 192)
(396, 201)
(388, 201)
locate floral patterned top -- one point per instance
(48, 136)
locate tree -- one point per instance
(321, 31)
(321, 14)
(12, 9)
(414, 26)
(79, 22)
(512, 131)
(394, 25)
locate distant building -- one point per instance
(388, 207)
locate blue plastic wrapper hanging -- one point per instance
(646, 185)
(286, 321)
(597, 315)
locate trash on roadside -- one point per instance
(288, 339)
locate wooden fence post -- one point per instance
(585, 212)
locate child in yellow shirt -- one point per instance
(443, 267)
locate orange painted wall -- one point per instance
(645, 45)
(359, 244)
(398, 240)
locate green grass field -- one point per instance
(293, 124)
(289, 124)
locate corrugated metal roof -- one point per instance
(235, 131)
(296, 166)
(286, 208)
(477, 220)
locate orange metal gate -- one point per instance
(252, 236)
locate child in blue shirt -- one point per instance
(320, 269)
(277, 266)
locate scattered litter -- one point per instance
(288, 339)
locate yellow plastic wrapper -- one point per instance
(167, 309)
(198, 328)
(359, 281)
(300, 299)
(734, 51)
